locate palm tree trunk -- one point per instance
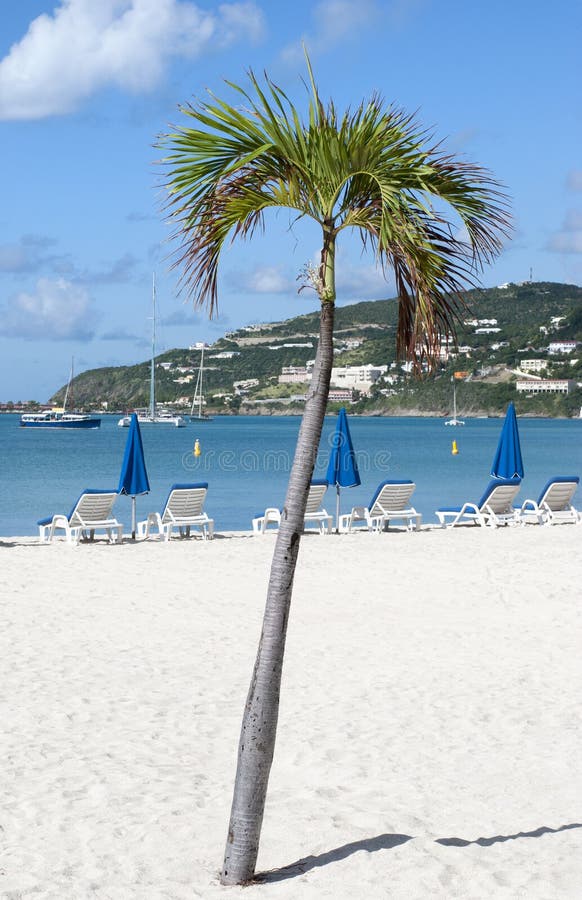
(259, 725)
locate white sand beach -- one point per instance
(429, 739)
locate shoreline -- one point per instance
(411, 413)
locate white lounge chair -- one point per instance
(554, 504)
(313, 512)
(184, 510)
(391, 500)
(91, 512)
(494, 508)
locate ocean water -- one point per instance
(246, 462)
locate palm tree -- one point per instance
(433, 220)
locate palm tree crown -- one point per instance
(369, 170)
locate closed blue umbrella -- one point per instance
(508, 462)
(342, 469)
(134, 477)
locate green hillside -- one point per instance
(528, 316)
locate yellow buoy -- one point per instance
(454, 449)
(197, 448)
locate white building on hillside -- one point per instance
(294, 375)
(558, 347)
(241, 387)
(359, 378)
(546, 386)
(340, 395)
(533, 365)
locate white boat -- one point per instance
(60, 418)
(454, 420)
(196, 413)
(161, 417)
(152, 415)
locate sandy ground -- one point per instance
(429, 742)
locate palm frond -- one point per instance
(373, 169)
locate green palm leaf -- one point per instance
(372, 170)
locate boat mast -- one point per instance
(69, 386)
(153, 364)
(454, 400)
(200, 395)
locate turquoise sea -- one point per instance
(246, 461)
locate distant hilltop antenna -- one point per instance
(530, 273)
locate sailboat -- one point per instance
(60, 418)
(196, 413)
(454, 420)
(152, 415)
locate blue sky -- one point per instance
(86, 87)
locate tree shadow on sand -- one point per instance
(388, 842)
(500, 838)
(381, 842)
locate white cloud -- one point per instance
(116, 272)
(573, 220)
(574, 182)
(86, 45)
(334, 22)
(181, 318)
(361, 282)
(29, 254)
(566, 242)
(263, 280)
(569, 238)
(58, 310)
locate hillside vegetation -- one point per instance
(528, 316)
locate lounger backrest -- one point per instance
(315, 497)
(184, 501)
(558, 492)
(391, 495)
(500, 495)
(92, 506)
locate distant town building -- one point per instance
(546, 386)
(340, 395)
(473, 323)
(280, 346)
(241, 387)
(555, 348)
(349, 344)
(294, 375)
(360, 378)
(533, 365)
(225, 354)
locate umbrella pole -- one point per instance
(337, 508)
(133, 517)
